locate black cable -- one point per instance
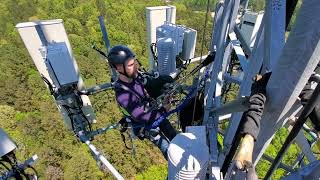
(4, 165)
(48, 83)
(227, 88)
(89, 124)
(12, 160)
(80, 102)
(33, 169)
(140, 65)
(77, 109)
(183, 67)
(153, 49)
(99, 51)
(124, 141)
(209, 59)
(69, 115)
(21, 171)
(299, 163)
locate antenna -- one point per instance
(56, 63)
(292, 63)
(9, 165)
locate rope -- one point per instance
(201, 53)
(188, 97)
(157, 122)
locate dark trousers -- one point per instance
(163, 138)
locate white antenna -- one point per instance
(166, 48)
(6, 144)
(157, 16)
(9, 162)
(56, 63)
(43, 38)
(182, 38)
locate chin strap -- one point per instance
(125, 72)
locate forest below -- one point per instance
(28, 112)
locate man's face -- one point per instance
(130, 67)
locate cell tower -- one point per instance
(259, 43)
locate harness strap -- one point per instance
(124, 141)
(142, 100)
(125, 125)
(124, 111)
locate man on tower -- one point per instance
(133, 100)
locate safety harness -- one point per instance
(150, 131)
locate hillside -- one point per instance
(28, 112)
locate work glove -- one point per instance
(260, 83)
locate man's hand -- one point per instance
(167, 103)
(260, 83)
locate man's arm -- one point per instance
(251, 121)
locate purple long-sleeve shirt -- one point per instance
(133, 103)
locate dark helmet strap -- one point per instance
(125, 72)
